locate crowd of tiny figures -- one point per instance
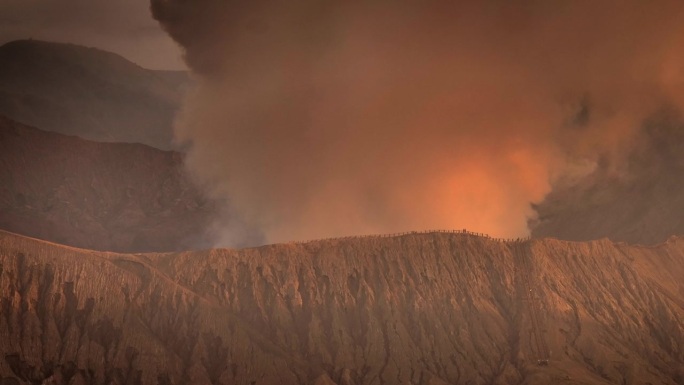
(462, 232)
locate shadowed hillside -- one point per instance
(104, 196)
(89, 93)
(437, 308)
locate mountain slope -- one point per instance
(89, 93)
(104, 196)
(429, 308)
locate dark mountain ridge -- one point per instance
(430, 308)
(89, 93)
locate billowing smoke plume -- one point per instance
(320, 118)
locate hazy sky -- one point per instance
(121, 26)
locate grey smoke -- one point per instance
(316, 119)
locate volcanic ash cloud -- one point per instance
(315, 119)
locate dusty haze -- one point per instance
(320, 119)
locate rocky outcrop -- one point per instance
(89, 93)
(429, 308)
(103, 196)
